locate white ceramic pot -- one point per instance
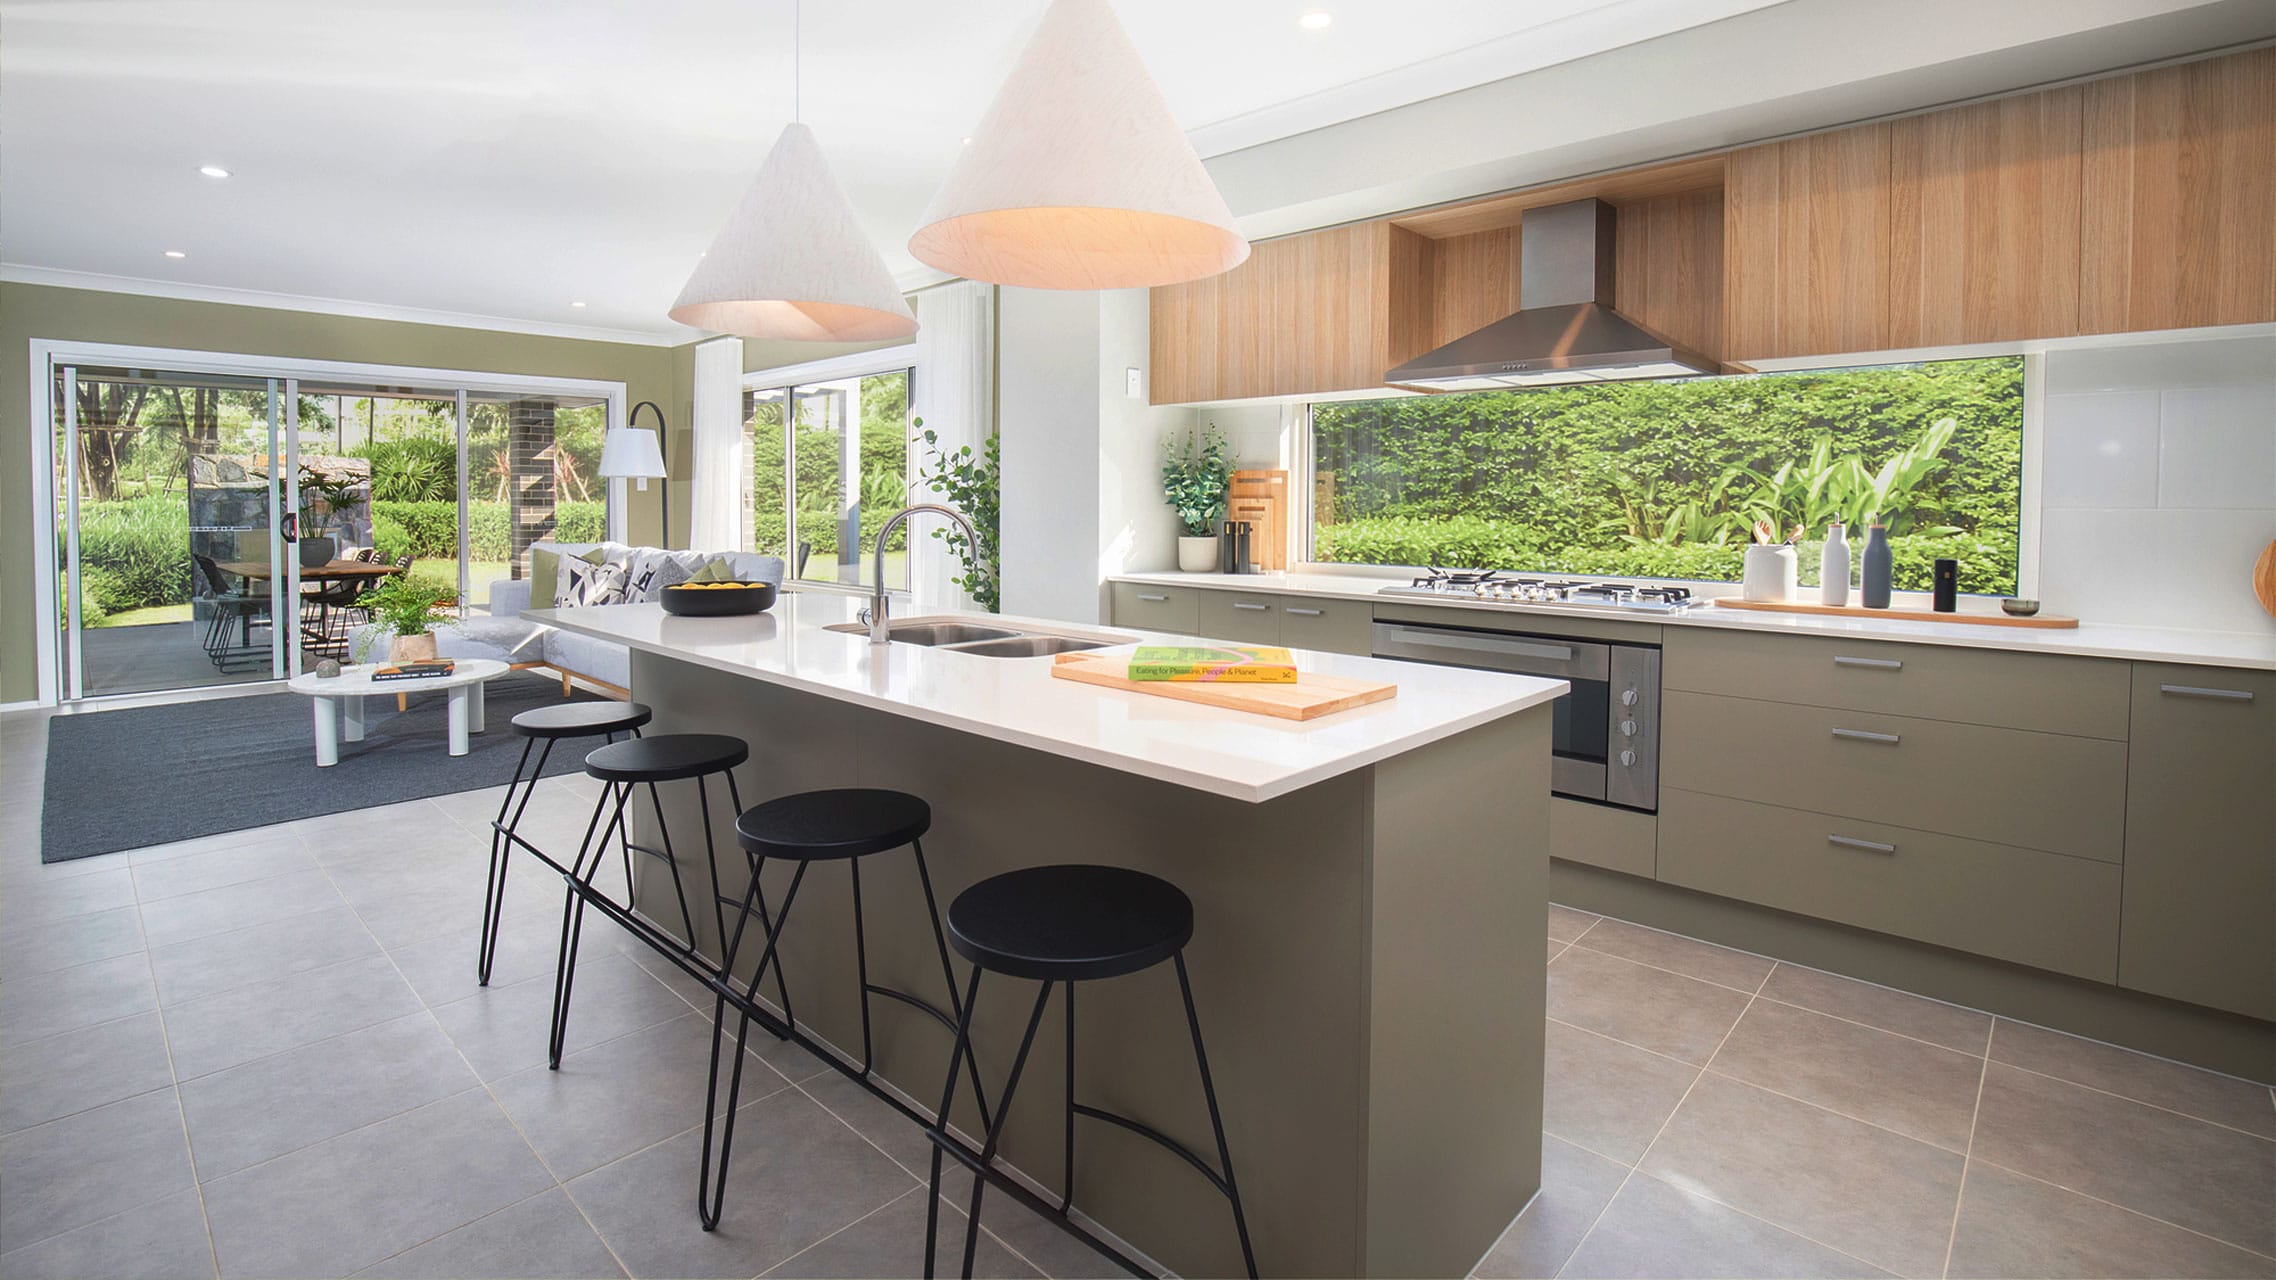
(1197, 555)
(1771, 573)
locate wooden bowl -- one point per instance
(691, 600)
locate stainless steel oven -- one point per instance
(1607, 740)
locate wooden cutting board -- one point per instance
(2043, 620)
(2264, 577)
(1311, 697)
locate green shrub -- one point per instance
(135, 552)
(413, 469)
(1455, 541)
(429, 530)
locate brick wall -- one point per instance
(530, 447)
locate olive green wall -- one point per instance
(29, 312)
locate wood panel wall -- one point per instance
(1669, 277)
(1473, 282)
(1806, 244)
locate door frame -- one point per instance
(46, 353)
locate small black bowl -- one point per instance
(718, 602)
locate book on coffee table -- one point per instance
(415, 670)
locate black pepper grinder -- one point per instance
(1944, 584)
(1228, 548)
(1241, 562)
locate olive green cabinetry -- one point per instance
(2199, 918)
(1325, 623)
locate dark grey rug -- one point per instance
(141, 776)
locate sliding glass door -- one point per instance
(830, 464)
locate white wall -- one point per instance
(2158, 482)
(1136, 531)
(1047, 411)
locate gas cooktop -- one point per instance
(1492, 586)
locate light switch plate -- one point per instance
(1137, 383)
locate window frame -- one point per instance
(789, 379)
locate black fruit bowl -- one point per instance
(718, 602)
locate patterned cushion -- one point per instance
(593, 584)
(659, 574)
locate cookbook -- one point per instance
(1221, 664)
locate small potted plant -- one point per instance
(323, 499)
(1197, 474)
(403, 608)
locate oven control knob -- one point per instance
(1627, 728)
(1627, 759)
(1627, 697)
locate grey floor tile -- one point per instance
(1691, 958)
(615, 1098)
(1575, 1187)
(196, 915)
(164, 1240)
(1873, 1194)
(43, 1080)
(442, 903)
(347, 1203)
(74, 940)
(1647, 1007)
(1908, 1015)
(1917, 1089)
(2017, 1228)
(502, 1030)
(891, 1243)
(2186, 1171)
(199, 846)
(258, 858)
(262, 1109)
(355, 833)
(1655, 1230)
(46, 1004)
(258, 953)
(542, 1238)
(873, 1118)
(244, 1023)
(2239, 1104)
(90, 1166)
(1608, 1097)
(36, 899)
(797, 1176)
(441, 967)
(1566, 924)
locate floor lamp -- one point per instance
(636, 453)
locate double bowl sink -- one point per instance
(979, 640)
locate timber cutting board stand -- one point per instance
(1311, 697)
(2043, 621)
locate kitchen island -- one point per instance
(1370, 904)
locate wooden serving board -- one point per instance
(1311, 697)
(2264, 577)
(2041, 620)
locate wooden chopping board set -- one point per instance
(1310, 698)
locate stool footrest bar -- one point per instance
(1161, 1139)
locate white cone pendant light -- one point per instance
(792, 263)
(1079, 177)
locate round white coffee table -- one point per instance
(341, 699)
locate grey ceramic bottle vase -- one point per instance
(1874, 594)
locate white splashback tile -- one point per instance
(2159, 568)
(2161, 366)
(2101, 450)
(2217, 447)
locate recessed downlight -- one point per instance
(176, 253)
(577, 304)
(213, 171)
(1316, 20)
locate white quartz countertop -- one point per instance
(2256, 650)
(1230, 753)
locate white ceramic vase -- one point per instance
(1771, 573)
(1197, 555)
(1833, 568)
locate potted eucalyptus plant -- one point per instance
(403, 609)
(1197, 475)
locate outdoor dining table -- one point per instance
(330, 571)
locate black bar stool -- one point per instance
(547, 725)
(637, 762)
(1068, 924)
(847, 824)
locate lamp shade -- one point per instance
(630, 452)
(1079, 177)
(792, 262)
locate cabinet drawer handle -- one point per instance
(2192, 691)
(1877, 664)
(1154, 599)
(1869, 846)
(1253, 608)
(1861, 735)
(1303, 613)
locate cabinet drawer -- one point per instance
(1240, 617)
(2201, 838)
(2038, 790)
(1601, 836)
(2048, 693)
(2040, 909)
(1142, 604)
(1331, 626)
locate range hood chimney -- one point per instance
(1567, 331)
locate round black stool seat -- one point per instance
(846, 823)
(1070, 923)
(581, 719)
(666, 757)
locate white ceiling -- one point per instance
(510, 157)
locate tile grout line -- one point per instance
(1967, 1159)
(889, 1203)
(2139, 1102)
(1582, 944)
(181, 1111)
(2167, 1222)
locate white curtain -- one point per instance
(720, 474)
(956, 396)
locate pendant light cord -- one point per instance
(797, 61)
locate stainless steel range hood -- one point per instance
(1568, 331)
